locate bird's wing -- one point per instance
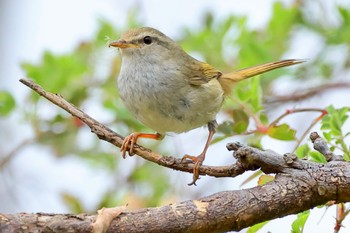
(201, 73)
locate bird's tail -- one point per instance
(227, 80)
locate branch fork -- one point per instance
(298, 186)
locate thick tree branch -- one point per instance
(106, 134)
(299, 185)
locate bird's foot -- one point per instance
(198, 161)
(129, 140)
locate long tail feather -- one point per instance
(227, 80)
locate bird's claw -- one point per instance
(131, 139)
(198, 161)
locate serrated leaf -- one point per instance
(7, 103)
(282, 132)
(325, 122)
(299, 223)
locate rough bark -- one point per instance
(299, 185)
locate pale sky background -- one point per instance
(27, 28)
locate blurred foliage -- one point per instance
(7, 103)
(332, 125)
(299, 223)
(87, 76)
(256, 227)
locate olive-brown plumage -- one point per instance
(169, 91)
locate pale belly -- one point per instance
(170, 106)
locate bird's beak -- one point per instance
(122, 44)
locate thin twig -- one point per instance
(314, 122)
(7, 158)
(110, 136)
(321, 146)
(295, 110)
(304, 94)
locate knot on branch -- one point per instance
(289, 158)
(321, 146)
(252, 158)
(233, 146)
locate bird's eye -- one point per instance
(147, 40)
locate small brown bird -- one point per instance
(169, 91)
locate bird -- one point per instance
(168, 90)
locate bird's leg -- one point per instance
(198, 160)
(132, 139)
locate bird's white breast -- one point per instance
(161, 98)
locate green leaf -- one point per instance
(154, 178)
(242, 94)
(226, 128)
(327, 136)
(249, 93)
(332, 125)
(100, 159)
(299, 223)
(256, 227)
(283, 18)
(7, 103)
(263, 118)
(105, 32)
(251, 177)
(317, 157)
(73, 203)
(62, 73)
(347, 134)
(282, 132)
(263, 179)
(334, 120)
(335, 125)
(345, 14)
(302, 151)
(240, 121)
(255, 94)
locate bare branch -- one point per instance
(299, 185)
(106, 134)
(7, 158)
(304, 94)
(321, 146)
